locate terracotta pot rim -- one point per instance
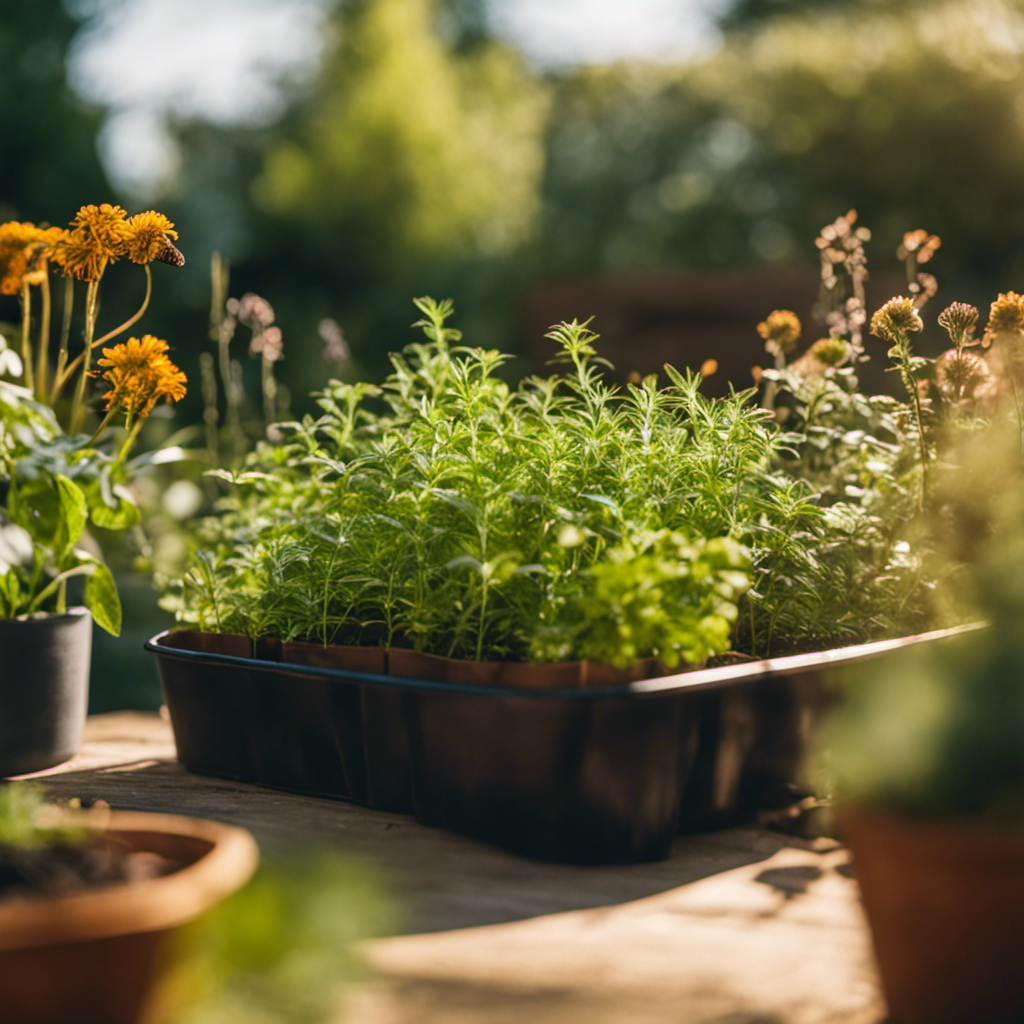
(969, 835)
(224, 858)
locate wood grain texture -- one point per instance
(741, 926)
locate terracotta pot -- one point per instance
(44, 689)
(99, 957)
(945, 902)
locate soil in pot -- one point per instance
(99, 955)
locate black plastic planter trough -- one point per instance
(586, 775)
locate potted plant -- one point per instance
(92, 906)
(926, 758)
(519, 553)
(56, 479)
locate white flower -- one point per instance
(15, 546)
(10, 361)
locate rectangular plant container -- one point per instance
(593, 774)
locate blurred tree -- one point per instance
(912, 114)
(407, 151)
(49, 164)
(413, 164)
(748, 13)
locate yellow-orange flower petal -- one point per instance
(140, 374)
(97, 236)
(1006, 314)
(147, 236)
(79, 256)
(894, 319)
(781, 330)
(106, 225)
(23, 247)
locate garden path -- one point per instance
(740, 926)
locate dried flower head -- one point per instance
(921, 244)
(336, 348)
(959, 321)
(1006, 316)
(895, 319)
(140, 374)
(147, 235)
(959, 374)
(23, 246)
(268, 344)
(831, 351)
(255, 312)
(780, 330)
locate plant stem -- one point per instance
(65, 334)
(43, 355)
(130, 440)
(103, 426)
(210, 414)
(85, 356)
(269, 390)
(232, 392)
(78, 403)
(910, 383)
(136, 316)
(26, 341)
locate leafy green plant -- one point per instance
(281, 950)
(938, 732)
(22, 820)
(564, 518)
(56, 479)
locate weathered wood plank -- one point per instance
(742, 926)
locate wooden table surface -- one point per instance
(740, 926)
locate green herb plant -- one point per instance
(564, 518)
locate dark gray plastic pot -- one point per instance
(44, 689)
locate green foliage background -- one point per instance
(427, 157)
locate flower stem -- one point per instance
(85, 360)
(130, 440)
(103, 426)
(85, 355)
(43, 355)
(26, 340)
(136, 316)
(65, 334)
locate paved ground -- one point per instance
(741, 926)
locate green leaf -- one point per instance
(73, 514)
(110, 505)
(101, 599)
(10, 594)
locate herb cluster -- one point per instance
(565, 518)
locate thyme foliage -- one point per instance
(564, 518)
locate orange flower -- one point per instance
(147, 235)
(140, 374)
(780, 330)
(892, 322)
(23, 246)
(98, 236)
(1006, 316)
